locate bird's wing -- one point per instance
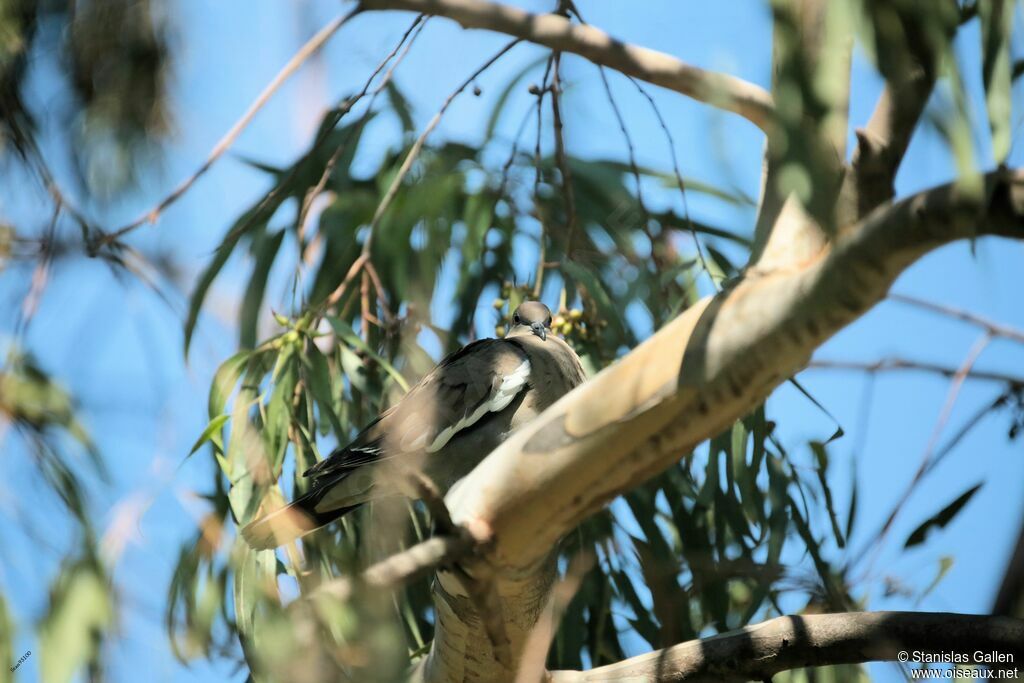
(482, 377)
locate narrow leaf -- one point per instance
(941, 518)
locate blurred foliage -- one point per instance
(707, 546)
(735, 533)
(114, 55)
(43, 417)
(740, 530)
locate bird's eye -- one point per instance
(516, 319)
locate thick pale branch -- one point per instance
(558, 33)
(792, 642)
(708, 367)
(703, 370)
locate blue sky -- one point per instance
(120, 350)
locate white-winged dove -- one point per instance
(444, 426)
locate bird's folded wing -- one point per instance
(483, 377)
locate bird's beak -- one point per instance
(539, 330)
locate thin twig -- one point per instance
(926, 457)
(993, 328)
(404, 566)
(631, 149)
(40, 274)
(378, 287)
(561, 158)
(897, 364)
(672, 151)
(339, 291)
(307, 201)
(392, 191)
(417, 146)
(679, 180)
(538, 177)
(298, 59)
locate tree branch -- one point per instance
(812, 42)
(694, 377)
(405, 566)
(558, 33)
(793, 642)
(298, 59)
(705, 369)
(882, 143)
(889, 364)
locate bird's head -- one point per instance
(531, 317)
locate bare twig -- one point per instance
(993, 328)
(630, 148)
(41, 273)
(339, 291)
(568, 195)
(956, 383)
(558, 33)
(417, 26)
(298, 59)
(898, 364)
(679, 181)
(404, 567)
(417, 146)
(672, 151)
(537, 177)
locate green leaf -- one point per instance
(81, 610)
(400, 105)
(945, 564)
(318, 378)
(941, 518)
(254, 581)
(607, 308)
(210, 273)
(212, 430)
(821, 456)
(224, 381)
(997, 71)
(264, 248)
(351, 360)
(279, 407)
(6, 637)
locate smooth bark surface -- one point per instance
(750, 101)
(698, 374)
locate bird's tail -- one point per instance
(294, 520)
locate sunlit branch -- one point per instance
(558, 33)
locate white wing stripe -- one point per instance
(510, 387)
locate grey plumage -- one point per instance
(449, 421)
